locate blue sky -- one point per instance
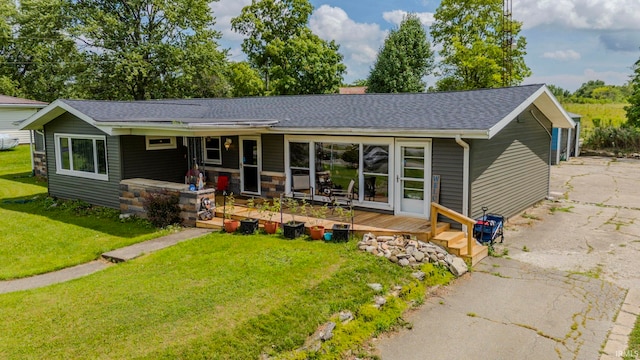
(569, 41)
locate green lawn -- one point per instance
(218, 297)
(40, 235)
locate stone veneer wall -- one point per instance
(134, 191)
(40, 164)
(272, 185)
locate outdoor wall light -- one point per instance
(227, 143)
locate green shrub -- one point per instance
(162, 209)
(619, 139)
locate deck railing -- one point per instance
(437, 209)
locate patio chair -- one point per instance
(299, 184)
(343, 197)
(370, 188)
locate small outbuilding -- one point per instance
(465, 149)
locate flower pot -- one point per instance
(231, 225)
(270, 227)
(316, 232)
(293, 230)
(248, 226)
(340, 233)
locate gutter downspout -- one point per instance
(465, 178)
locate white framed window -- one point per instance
(212, 150)
(160, 142)
(82, 156)
(38, 139)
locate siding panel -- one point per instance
(98, 192)
(510, 172)
(164, 165)
(273, 152)
(447, 161)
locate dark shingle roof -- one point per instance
(467, 110)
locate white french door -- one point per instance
(413, 178)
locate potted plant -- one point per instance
(249, 225)
(293, 229)
(341, 232)
(319, 213)
(270, 209)
(230, 224)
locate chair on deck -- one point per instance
(344, 197)
(300, 183)
(370, 188)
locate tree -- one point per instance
(245, 81)
(404, 60)
(45, 58)
(288, 56)
(633, 109)
(7, 14)
(146, 49)
(559, 92)
(471, 33)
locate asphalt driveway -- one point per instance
(558, 291)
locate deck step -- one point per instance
(448, 237)
(215, 223)
(479, 252)
(458, 248)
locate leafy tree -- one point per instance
(404, 60)
(471, 35)
(586, 89)
(44, 58)
(145, 49)
(633, 109)
(245, 80)
(288, 56)
(559, 92)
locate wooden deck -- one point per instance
(455, 241)
(364, 222)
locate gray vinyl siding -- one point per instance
(447, 161)
(97, 192)
(510, 172)
(273, 152)
(231, 157)
(164, 164)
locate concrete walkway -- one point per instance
(119, 255)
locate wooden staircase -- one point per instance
(457, 242)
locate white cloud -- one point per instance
(224, 11)
(395, 17)
(562, 55)
(359, 42)
(579, 14)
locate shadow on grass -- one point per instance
(80, 214)
(26, 178)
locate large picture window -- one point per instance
(81, 155)
(212, 151)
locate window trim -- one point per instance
(77, 173)
(206, 157)
(172, 144)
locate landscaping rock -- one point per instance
(419, 275)
(458, 267)
(409, 252)
(345, 316)
(327, 333)
(375, 286)
(380, 301)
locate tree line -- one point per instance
(145, 49)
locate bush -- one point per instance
(619, 139)
(162, 209)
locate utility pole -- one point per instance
(507, 42)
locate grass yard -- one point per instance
(609, 114)
(39, 235)
(217, 297)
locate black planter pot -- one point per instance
(248, 226)
(340, 233)
(293, 230)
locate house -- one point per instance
(565, 143)
(12, 111)
(469, 149)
